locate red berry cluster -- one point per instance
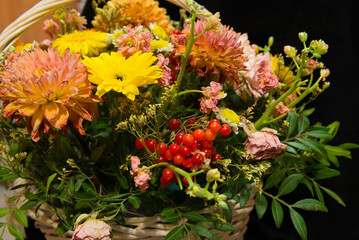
(188, 149)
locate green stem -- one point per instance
(259, 123)
(189, 91)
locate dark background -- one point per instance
(333, 22)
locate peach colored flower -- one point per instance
(212, 53)
(48, 91)
(211, 96)
(263, 144)
(51, 28)
(142, 178)
(258, 77)
(166, 80)
(280, 109)
(92, 229)
(133, 40)
(135, 161)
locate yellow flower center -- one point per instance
(230, 115)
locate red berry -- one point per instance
(194, 146)
(168, 174)
(197, 158)
(178, 160)
(215, 126)
(164, 182)
(210, 135)
(188, 139)
(174, 148)
(191, 121)
(207, 143)
(162, 158)
(151, 144)
(161, 148)
(216, 157)
(168, 155)
(178, 138)
(140, 143)
(176, 32)
(198, 134)
(185, 182)
(187, 163)
(185, 151)
(207, 152)
(214, 150)
(225, 130)
(213, 121)
(174, 124)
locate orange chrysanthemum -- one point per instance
(213, 53)
(48, 91)
(118, 13)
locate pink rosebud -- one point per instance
(135, 161)
(211, 96)
(263, 144)
(92, 229)
(142, 178)
(165, 81)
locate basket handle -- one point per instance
(16, 29)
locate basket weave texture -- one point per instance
(149, 228)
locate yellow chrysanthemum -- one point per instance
(284, 74)
(88, 43)
(118, 13)
(120, 74)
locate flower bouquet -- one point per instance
(142, 127)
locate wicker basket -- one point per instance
(150, 228)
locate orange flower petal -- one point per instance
(61, 118)
(50, 110)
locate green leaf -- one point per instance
(15, 232)
(308, 111)
(97, 153)
(333, 128)
(319, 134)
(309, 185)
(337, 151)
(333, 195)
(349, 145)
(195, 217)
(4, 211)
(175, 234)
(61, 228)
(299, 223)
(12, 199)
(171, 218)
(20, 217)
(298, 146)
(292, 120)
(201, 230)
(326, 173)
(49, 180)
(244, 196)
(135, 201)
(274, 178)
(303, 124)
(289, 184)
(261, 205)
(310, 204)
(318, 191)
(213, 222)
(277, 212)
(9, 176)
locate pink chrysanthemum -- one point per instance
(210, 98)
(166, 80)
(133, 40)
(213, 53)
(48, 91)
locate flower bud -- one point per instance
(223, 205)
(214, 23)
(324, 72)
(92, 229)
(319, 47)
(213, 175)
(290, 51)
(303, 36)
